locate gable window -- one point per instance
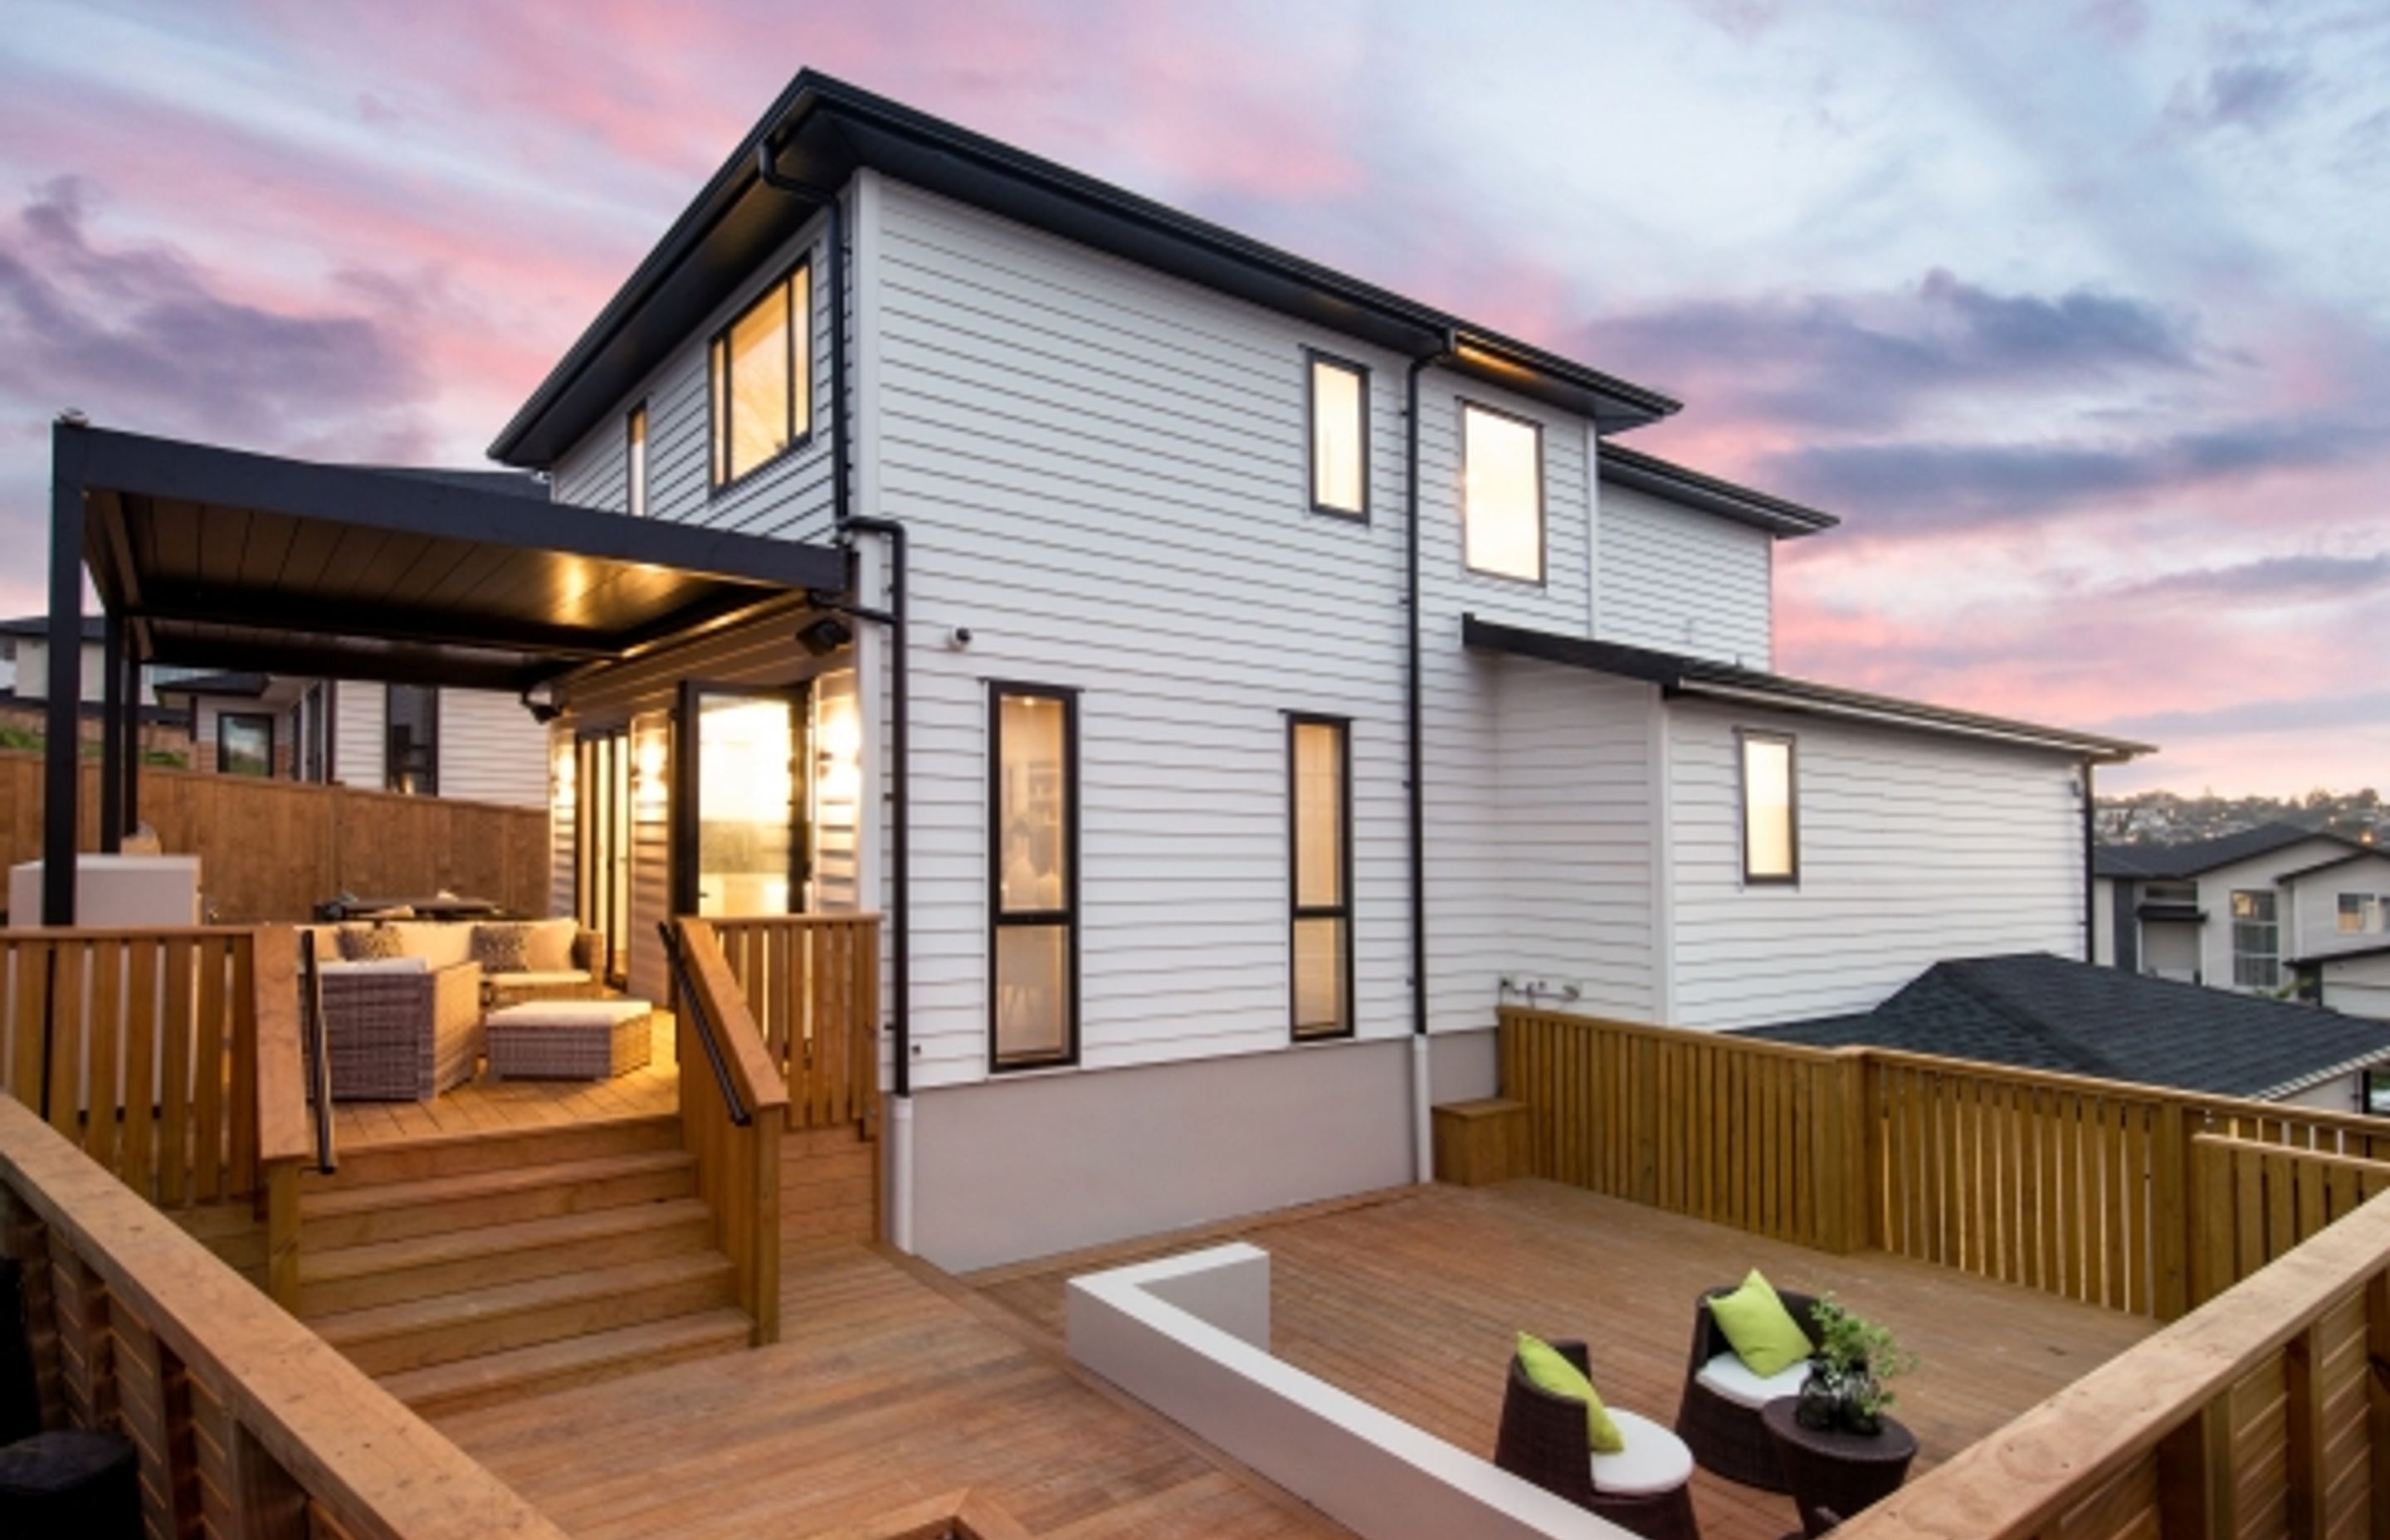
(634, 461)
(411, 741)
(2256, 940)
(244, 743)
(1319, 764)
(2360, 913)
(1339, 434)
(1771, 813)
(1032, 875)
(1502, 493)
(761, 368)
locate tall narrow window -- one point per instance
(760, 368)
(2256, 940)
(1502, 493)
(634, 461)
(244, 743)
(1319, 763)
(1771, 814)
(1034, 875)
(1339, 434)
(411, 753)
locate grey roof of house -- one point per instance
(2037, 1011)
(2190, 859)
(38, 628)
(247, 687)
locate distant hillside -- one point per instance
(2170, 818)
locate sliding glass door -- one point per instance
(602, 841)
(742, 843)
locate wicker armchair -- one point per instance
(1541, 1440)
(401, 1036)
(1725, 1436)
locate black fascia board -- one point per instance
(1678, 483)
(823, 130)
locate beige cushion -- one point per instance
(1728, 1375)
(369, 944)
(569, 1013)
(336, 968)
(1654, 1460)
(551, 945)
(537, 977)
(440, 943)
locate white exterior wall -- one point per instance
(2103, 921)
(491, 751)
(1678, 580)
(2313, 923)
(1913, 849)
(2359, 987)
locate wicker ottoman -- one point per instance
(569, 1039)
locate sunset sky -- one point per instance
(2077, 312)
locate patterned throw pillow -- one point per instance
(369, 944)
(502, 948)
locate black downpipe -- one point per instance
(2090, 870)
(1411, 690)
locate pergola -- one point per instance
(222, 559)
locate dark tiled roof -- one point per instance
(2142, 862)
(2037, 1012)
(246, 685)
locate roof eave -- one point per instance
(1786, 520)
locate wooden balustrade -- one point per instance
(737, 1165)
(246, 1424)
(811, 983)
(2259, 1202)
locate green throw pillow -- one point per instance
(1764, 1334)
(1547, 1370)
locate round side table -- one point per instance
(1835, 1470)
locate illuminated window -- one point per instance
(1502, 493)
(2360, 913)
(1340, 435)
(2256, 940)
(1034, 876)
(634, 461)
(761, 371)
(1319, 764)
(1771, 816)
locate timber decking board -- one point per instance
(483, 1105)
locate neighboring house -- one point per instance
(1231, 681)
(2355, 981)
(24, 686)
(2231, 911)
(475, 745)
(2040, 1012)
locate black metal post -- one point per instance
(61, 763)
(132, 740)
(112, 734)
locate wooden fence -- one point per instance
(737, 1165)
(813, 984)
(271, 850)
(248, 1425)
(2091, 1189)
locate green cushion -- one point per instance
(1547, 1370)
(1762, 1333)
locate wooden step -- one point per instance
(356, 1278)
(399, 1211)
(499, 1377)
(447, 1328)
(458, 1154)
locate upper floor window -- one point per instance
(1339, 433)
(411, 749)
(1771, 816)
(2362, 912)
(634, 461)
(762, 374)
(1502, 493)
(2256, 940)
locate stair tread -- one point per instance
(541, 1360)
(480, 1184)
(338, 1263)
(439, 1311)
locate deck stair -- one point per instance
(470, 1270)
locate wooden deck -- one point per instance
(483, 1105)
(895, 1385)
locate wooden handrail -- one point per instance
(758, 1082)
(300, 1416)
(732, 1124)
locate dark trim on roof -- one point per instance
(2322, 959)
(2154, 863)
(822, 131)
(243, 686)
(2364, 852)
(1678, 675)
(1677, 484)
(38, 628)
(2171, 912)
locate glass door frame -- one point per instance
(593, 811)
(686, 708)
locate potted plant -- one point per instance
(1854, 1362)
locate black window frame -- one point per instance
(389, 777)
(638, 456)
(1343, 911)
(1313, 359)
(2273, 922)
(683, 817)
(719, 477)
(1069, 916)
(1743, 737)
(591, 804)
(1543, 498)
(265, 719)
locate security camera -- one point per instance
(960, 637)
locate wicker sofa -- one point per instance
(1542, 1438)
(1723, 1432)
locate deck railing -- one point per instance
(2091, 1189)
(248, 1425)
(811, 983)
(733, 1109)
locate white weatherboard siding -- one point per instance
(1678, 580)
(360, 734)
(491, 751)
(1913, 849)
(2312, 922)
